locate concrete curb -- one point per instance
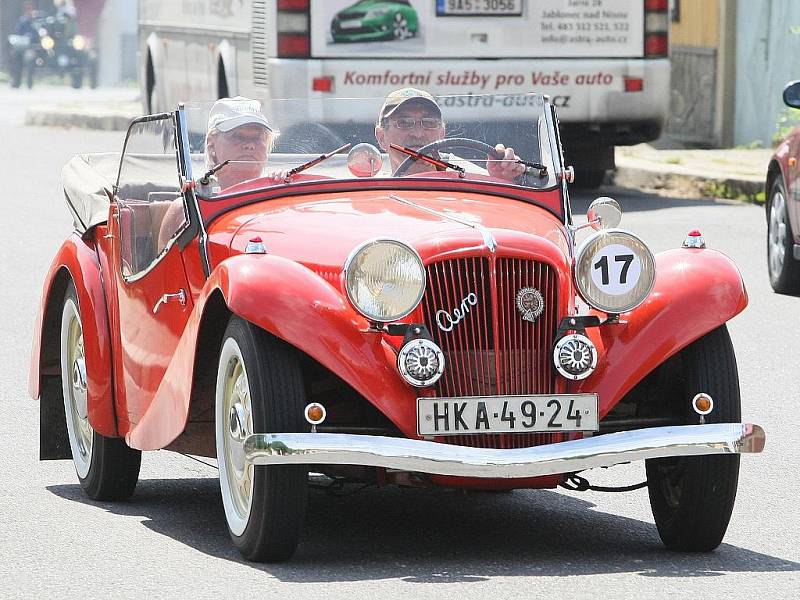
(688, 184)
(83, 117)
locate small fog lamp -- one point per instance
(420, 362)
(575, 356)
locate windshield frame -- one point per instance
(207, 208)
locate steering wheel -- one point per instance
(448, 144)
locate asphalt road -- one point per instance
(170, 539)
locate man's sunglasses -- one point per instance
(409, 123)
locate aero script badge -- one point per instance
(530, 303)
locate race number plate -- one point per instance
(507, 414)
(460, 8)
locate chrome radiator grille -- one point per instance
(490, 350)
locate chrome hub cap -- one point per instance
(234, 418)
(79, 385)
(777, 235)
(74, 387)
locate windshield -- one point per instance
(239, 145)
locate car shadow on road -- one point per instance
(435, 535)
(633, 200)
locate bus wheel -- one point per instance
(589, 179)
(153, 99)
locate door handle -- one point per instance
(180, 296)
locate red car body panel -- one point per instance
(296, 292)
(698, 289)
(80, 258)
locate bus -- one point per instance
(604, 63)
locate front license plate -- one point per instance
(460, 8)
(507, 414)
(352, 24)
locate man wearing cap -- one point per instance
(239, 132)
(412, 118)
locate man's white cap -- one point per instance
(230, 113)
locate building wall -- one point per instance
(695, 56)
(698, 25)
(768, 44)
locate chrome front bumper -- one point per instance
(445, 459)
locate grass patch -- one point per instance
(723, 190)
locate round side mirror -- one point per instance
(604, 213)
(791, 94)
(364, 160)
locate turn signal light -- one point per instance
(703, 404)
(315, 413)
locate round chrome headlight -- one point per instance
(385, 280)
(614, 271)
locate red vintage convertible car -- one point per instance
(443, 328)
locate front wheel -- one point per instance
(259, 390)
(692, 497)
(107, 468)
(784, 270)
(400, 29)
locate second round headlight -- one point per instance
(614, 271)
(385, 280)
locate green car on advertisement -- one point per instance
(375, 20)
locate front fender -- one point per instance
(298, 306)
(77, 260)
(696, 291)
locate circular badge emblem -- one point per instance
(530, 303)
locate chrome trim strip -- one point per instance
(445, 459)
(488, 238)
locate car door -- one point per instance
(151, 299)
(793, 181)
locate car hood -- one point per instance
(322, 232)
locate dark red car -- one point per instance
(783, 207)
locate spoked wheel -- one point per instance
(259, 390)
(107, 468)
(784, 270)
(400, 27)
(692, 497)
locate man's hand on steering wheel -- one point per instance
(505, 165)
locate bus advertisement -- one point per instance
(604, 63)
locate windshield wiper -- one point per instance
(205, 178)
(313, 162)
(436, 162)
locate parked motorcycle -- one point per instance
(56, 49)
